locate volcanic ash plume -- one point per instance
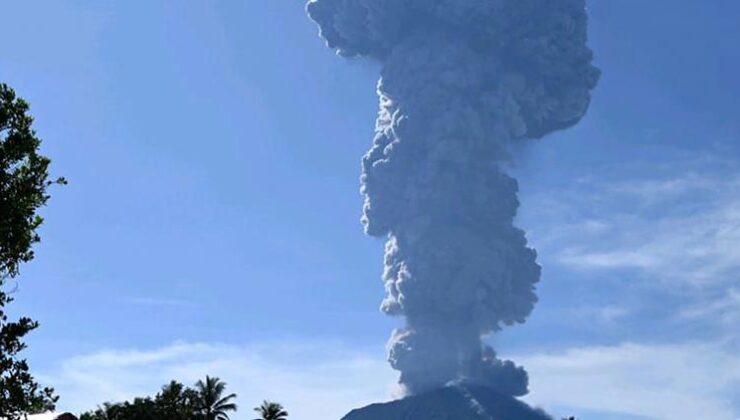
(461, 80)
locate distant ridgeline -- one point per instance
(451, 403)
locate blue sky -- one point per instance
(211, 223)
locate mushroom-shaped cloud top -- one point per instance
(539, 46)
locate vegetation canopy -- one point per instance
(271, 411)
(24, 179)
(206, 401)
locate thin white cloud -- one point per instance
(677, 234)
(602, 315)
(698, 249)
(725, 308)
(676, 228)
(316, 381)
(663, 382)
(324, 381)
(658, 189)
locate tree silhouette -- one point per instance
(138, 409)
(104, 412)
(174, 402)
(213, 405)
(271, 411)
(24, 178)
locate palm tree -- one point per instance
(213, 406)
(271, 411)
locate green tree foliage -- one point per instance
(214, 405)
(173, 402)
(24, 179)
(176, 402)
(271, 411)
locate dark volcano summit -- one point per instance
(451, 403)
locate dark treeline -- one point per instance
(207, 400)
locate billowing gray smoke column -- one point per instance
(461, 80)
